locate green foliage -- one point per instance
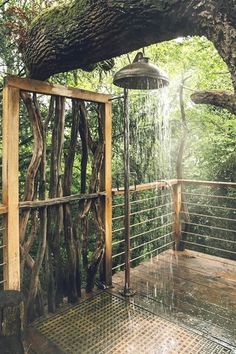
(210, 148)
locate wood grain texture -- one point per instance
(177, 190)
(11, 186)
(193, 288)
(54, 89)
(209, 183)
(146, 186)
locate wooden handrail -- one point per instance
(146, 186)
(59, 200)
(208, 183)
(3, 209)
(172, 182)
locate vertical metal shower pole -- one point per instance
(127, 289)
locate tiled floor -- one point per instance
(109, 324)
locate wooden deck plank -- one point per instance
(190, 285)
(193, 260)
(177, 289)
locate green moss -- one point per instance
(59, 15)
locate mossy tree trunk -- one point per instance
(82, 33)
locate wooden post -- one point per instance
(107, 185)
(10, 187)
(177, 208)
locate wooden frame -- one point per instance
(107, 186)
(177, 199)
(11, 97)
(53, 89)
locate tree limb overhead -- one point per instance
(217, 98)
(81, 33)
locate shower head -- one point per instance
(141, 75)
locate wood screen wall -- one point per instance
(10, 180)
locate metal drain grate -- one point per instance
(107, 324)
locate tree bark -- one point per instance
(95, 183)
(70, 234)
(35, 119)
(84, 136)
(55, 213)
(180, 246)
(35, 287)
(80, 34)
(223, 99)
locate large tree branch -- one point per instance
(82, 33)
(223, 99)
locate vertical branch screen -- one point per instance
(63, 189)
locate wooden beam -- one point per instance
(177, 196)
(146, 186)
(3, 209)
(209, 183)
(11, 187)
(107, 185)
(53, 89)
(59, 200)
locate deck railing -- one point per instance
(208, 217)
(152, 218)
(198, 215)
(178, 214)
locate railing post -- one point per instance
(177, 196)
(10, 186)
(107, 185)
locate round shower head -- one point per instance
(141, 75)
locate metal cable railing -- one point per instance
(151, 225)
(208, 218)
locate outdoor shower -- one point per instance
(140, 75)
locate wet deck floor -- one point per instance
(184, 303)
(192, 288)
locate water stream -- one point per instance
(150, 157)
(150, 135)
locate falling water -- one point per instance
(150, 157)
(150, 135)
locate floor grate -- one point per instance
(108, 324)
